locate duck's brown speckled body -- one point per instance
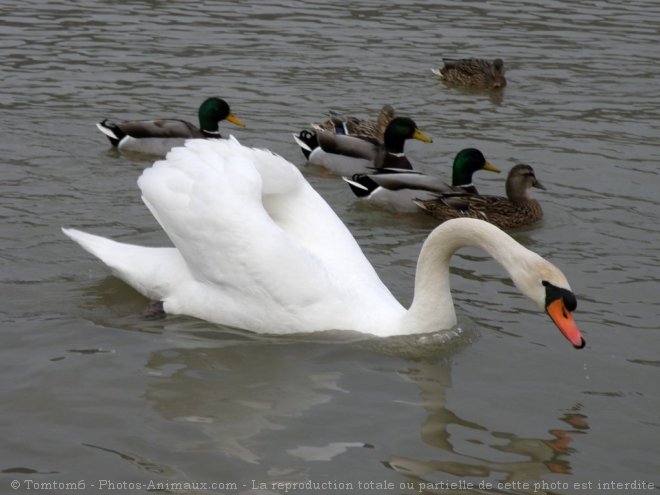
(518, 209)
(370, 130)
(472, 72)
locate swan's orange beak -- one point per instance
(564, 320)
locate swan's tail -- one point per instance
(151, 271)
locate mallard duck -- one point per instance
(257, 248)
(396, 189)
(516, 210)
(348, 155)
(157, 137)
(472, 72)
(369, 130)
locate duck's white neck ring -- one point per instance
(398, 155)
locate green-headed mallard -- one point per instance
(157, 137)
(369, 130)
(472, 72)
(396, 189)
(257, 248)
(516, 210)
(348, 155)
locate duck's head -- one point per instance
(520, 179)
(467, 162)
(214, 110)
(499, 80)
(399, 130)
(387, 111)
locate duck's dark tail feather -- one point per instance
(112, 131)
(361, 185)
(307, 141)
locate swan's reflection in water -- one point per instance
(500, 457)
(260, 400)
(235, 390)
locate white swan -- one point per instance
(257, 248)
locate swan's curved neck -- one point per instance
(432, 308)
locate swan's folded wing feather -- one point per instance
(246, 219)
(210, 211)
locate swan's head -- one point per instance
(547, 286)
(559, 302)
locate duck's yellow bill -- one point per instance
(235, 120)
(490, 167)
(420, 136)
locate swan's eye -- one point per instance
(552, 293)
(570, 301)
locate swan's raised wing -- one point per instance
(246, 220)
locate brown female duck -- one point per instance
(370, 130)
(472, 72)
(516, 210)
